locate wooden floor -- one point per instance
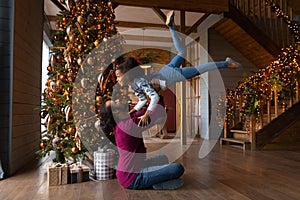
(226, 173)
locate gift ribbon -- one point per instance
(59, 173)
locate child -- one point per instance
(172, 72)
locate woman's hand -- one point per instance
(144, 119)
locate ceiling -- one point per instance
(138, 25)
(142, 22)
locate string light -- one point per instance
(283, 74)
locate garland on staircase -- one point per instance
(282, 76)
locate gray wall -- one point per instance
(21, 83)
(219, 49)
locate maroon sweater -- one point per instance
(131, 147)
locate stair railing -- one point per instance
(264, 18)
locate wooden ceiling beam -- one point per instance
(212, 6)
(143, 25)
(147, 38)
(160, 13)
(125, 24)
(115, 5)
(195, 25)
(58, 4)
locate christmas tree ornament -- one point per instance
(53, 60)
(42, 146)
(69, 30)
(75, 150)
(98, 125)
(49, 68)
(96, 43)
(71, 54)
(80, 19)
(80, 61)
(56, 142)
(71, 130)
(90, 61)
(84, 82)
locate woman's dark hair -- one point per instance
(107, 120)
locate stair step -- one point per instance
(244, 142)
(238, 131)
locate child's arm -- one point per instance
(146, 88)
(143, 87)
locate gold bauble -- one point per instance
(69, 30)
(84, 82)
(62, 78)
(75, 150)
(59, 84)
(79, 61)
(42, 146)
(96, 43)
(49, 68)
(80, 19)
(71, 130)
(53, 60)
(97, 102)
(90, 61)
(80, 47)
(72, 38)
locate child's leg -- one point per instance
(181, 51)
(190, 72)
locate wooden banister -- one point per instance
(263, 17)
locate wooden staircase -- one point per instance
(279, 126)
(257, 33)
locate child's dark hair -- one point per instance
(132, 66)
(129, 64)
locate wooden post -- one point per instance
(297, 91)
(225, 126)
(240, 107)
(268, 111)
(276, 103)
(261, 120)
(183, 90)
(234, 110)
(252, 132)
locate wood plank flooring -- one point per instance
(226, 173)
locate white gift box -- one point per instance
(104, 161)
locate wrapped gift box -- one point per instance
(104, 164)
(57, 174)
(78, 173)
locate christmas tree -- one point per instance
(80, 77)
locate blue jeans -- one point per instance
(158, 170)
(172, 72)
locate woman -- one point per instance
(134, 170)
